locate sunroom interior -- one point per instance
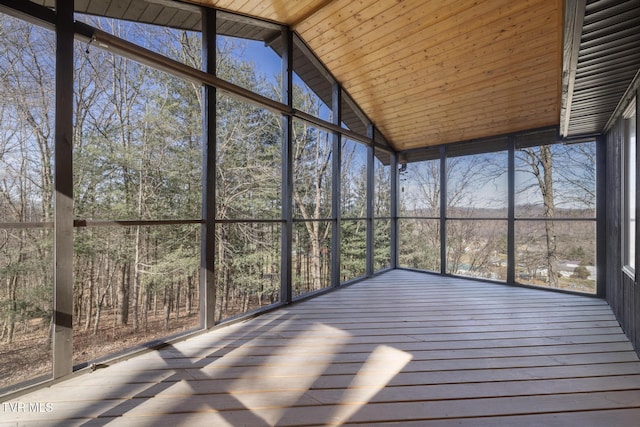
(319, 212)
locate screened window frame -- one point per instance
(510, 143)
(629, 186)
(207, 79)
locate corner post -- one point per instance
(208, 231)
(443, 210)
(63, 197)
(394, 210)
(286, 285)
(336, 188)
(370, 196)
(511, 212)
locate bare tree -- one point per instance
(26, 185)
(312, 156)
(474, 189)
(540, 162)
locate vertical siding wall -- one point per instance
(622, 293)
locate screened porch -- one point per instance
(323, 212)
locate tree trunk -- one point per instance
(166, 308)
(189, 296)
(136, 278)
(13, 283)
(549, 213)
(246, 300)
(155, 303)
(544, 159)
(78, 298)
(11, 329)
(177, 301)
(227, 290)
(123, 297)
(96, 320)
(315, 264)
(92, 278)
(146, 302)
(99, 303)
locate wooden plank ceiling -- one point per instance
(430, 72)
(426, 72)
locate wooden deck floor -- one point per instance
(401, 349)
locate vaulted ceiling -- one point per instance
(431, 72)
(437, 71)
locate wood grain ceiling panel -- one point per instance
(430, 72)
(283, 11)
(464, 105)
(440, 82)
(483, 51)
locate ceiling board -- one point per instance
(426, 72)
(419, 34)
(429, 72)
(469, 81)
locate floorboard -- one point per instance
(400, 349)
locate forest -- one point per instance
(138, 171)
